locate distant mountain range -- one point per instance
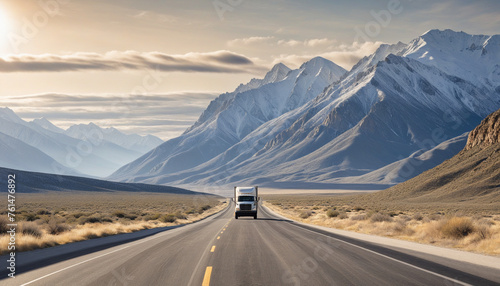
(85, 150)
(406, 105)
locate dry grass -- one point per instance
(46, 220)
(474, 233)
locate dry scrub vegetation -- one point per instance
(50, 219)
(466, 231)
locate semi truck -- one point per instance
(246, 199)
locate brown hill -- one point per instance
(469, 182)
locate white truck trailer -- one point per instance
(246, 199)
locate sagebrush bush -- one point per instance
(457, 227)
(152, 217)
(168, 218)
(380, 217)
(4, 224)
(180, 215)
(204, 208)
(119, 214)
(305, 214)
(332, 213)
(31, 228)
(30, 217)
(55, 227)
(359, 217)
(43, 212)
(343, 215)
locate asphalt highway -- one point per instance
(268, 251)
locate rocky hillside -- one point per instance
(487, 133)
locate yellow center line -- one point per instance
(206, 279)
(218, 237)
(213, 249)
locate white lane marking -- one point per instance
(388, 257)
(116, 250)
(90, 259)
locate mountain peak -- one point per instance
(277, 73)
(9, 115)
(46, 124)
(316, 61)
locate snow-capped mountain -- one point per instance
(232, 116)
(46, 124)
(133, 142)
(19, 155)
(475, 58)
(96, 157)
(400, 100)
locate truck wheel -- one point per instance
(255, 217)
(236, 216)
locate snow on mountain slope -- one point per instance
(232, 116)
(389, 106)
(472, 57)
(394, 111)
(277, 73)
(44, 123)
(19, 155)
(391, 110)
(97, 158)
(134, 142)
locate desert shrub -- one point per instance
(43, 212)
(168, 218)
(457, 227)
(190, 211)
(483, 231)
(55, 227)
(332, 213)
(152, 217)
(119, 214)
(393, 214)
(343, 215)
(31, 228)
(94, 219)
(180, 215)
(380, 217)
(204, 208)
(305, 214)
(359, 209)
(79, 214)
(4, 224)
(359, 217)
(30, 217)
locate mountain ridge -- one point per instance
(390, 105)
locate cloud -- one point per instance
(289, 43)
(213, 62)
(319, 42)
(311, 43)
(249, 41)
(163, 115)
(345, 55)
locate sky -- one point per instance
(152, 67)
